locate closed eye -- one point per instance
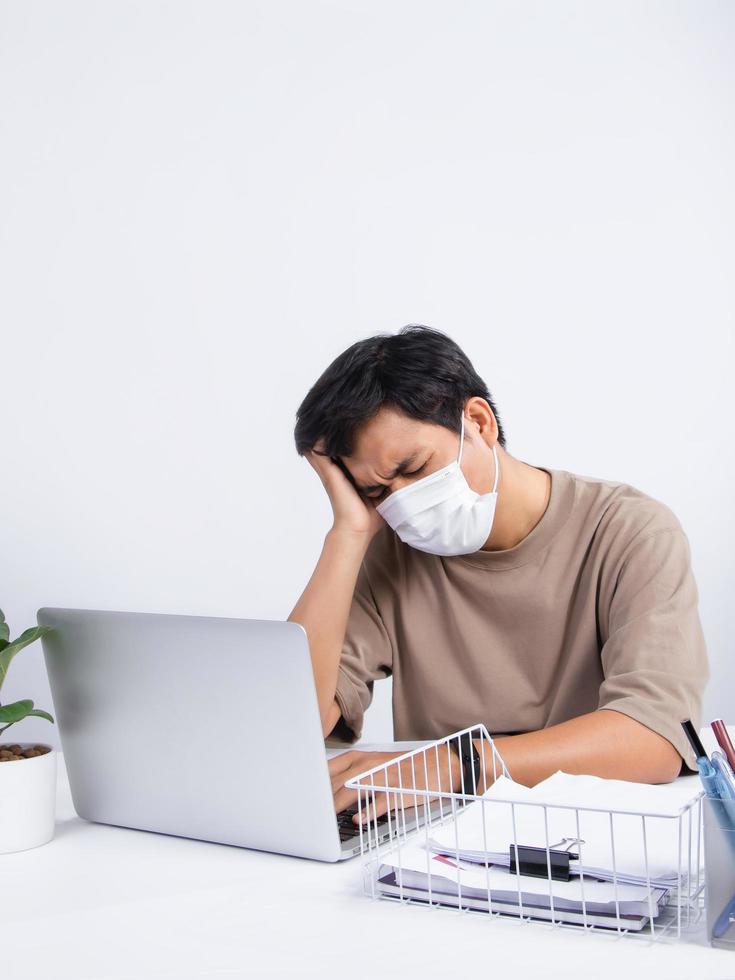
(382, 493)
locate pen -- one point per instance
(707, 773)
(725, 777)
(716, 777)
(724, 920)
(723, 739)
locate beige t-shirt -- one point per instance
(596, 607)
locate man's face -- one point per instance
(393, 450)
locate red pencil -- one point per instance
(723, 740)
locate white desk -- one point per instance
(107, 903)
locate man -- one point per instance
(558, 610)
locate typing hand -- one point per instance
(444, 774)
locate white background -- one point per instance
(202, 204)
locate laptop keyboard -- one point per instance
(348, 829)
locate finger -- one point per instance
(316, 463)
(338, 781)
(373, 809)
(317, 455)
(339, 776)
(374, 805)
(339, 763)
(343, 797)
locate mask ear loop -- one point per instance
(495, 455)
(497, 471)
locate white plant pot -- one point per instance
(27, 800)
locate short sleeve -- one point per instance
(367, 655)
(654, 657)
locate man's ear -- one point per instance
(481, 413)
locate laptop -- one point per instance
(199, 727)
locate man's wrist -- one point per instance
(489, 767)
(455, 770)
(346, 536)
(470, 763)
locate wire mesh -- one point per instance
(428, 860)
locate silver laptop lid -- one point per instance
(196, 726)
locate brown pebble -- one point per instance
(42, 749)
(29, 753)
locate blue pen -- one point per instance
(724, 920)
(727, 794)
(725, 777)
(717, 779)
(707, 773)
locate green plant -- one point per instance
(19, 710)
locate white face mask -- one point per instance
(441, 513)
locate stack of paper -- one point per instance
(466, 861)
(411, 871)
(625, 847)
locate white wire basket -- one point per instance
(584, 868)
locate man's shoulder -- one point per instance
(620, 511)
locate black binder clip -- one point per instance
(532, 860)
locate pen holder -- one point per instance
(719, 870)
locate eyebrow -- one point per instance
(398, 471)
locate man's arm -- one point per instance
(323, 610)
(324, 606)
(333, 716)
(655, 667)
(603, 743)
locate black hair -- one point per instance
(420, 371)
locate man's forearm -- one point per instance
(601, 743)
(324, 607)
